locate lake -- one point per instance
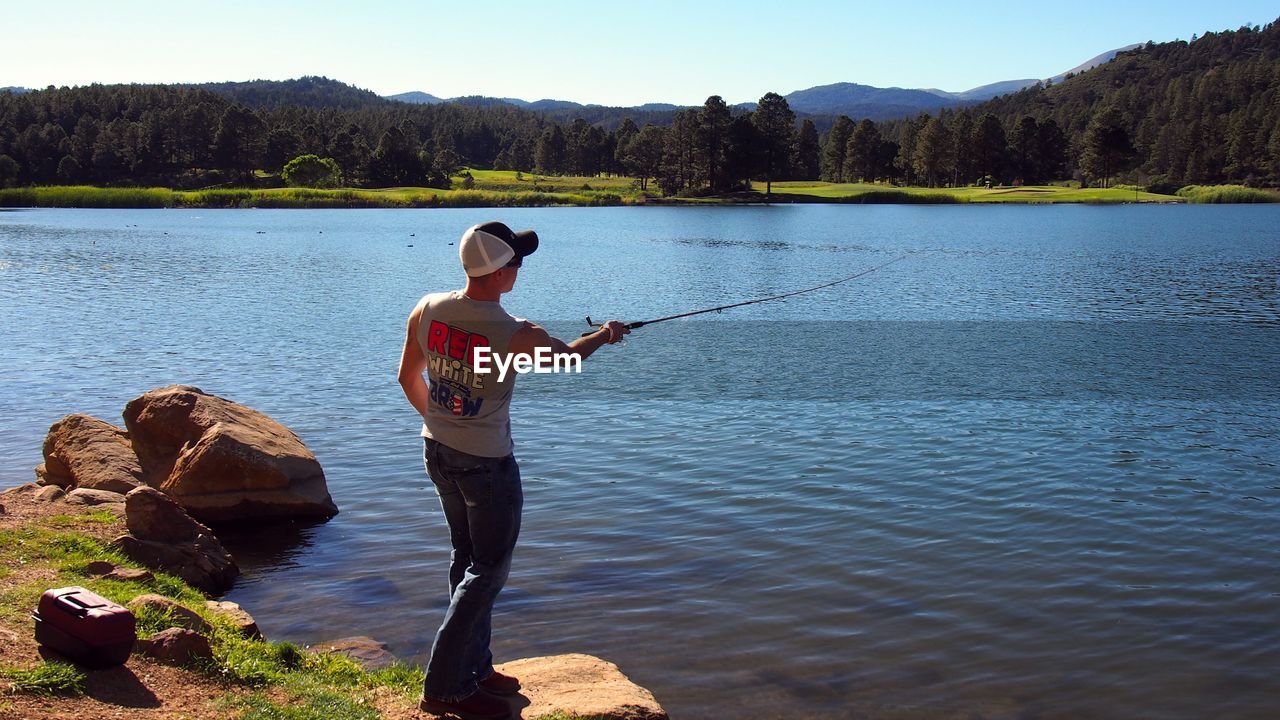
(1029, 470)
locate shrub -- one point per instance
(1227, 194)
(312, 171)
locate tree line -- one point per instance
(1205, 111)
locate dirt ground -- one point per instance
(138, 689)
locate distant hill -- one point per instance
(823, 103)
(1192, 112)
(986, 92)
(15, 90)
(416, 98)
(864, 101)
(312, 92)
(1092, 63)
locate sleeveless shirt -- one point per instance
(466, 410)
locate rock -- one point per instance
(204, 564)
(1, 509)
(99, 568)
(179, 616)
(243, 621)
(42, 476)
(49, 493)
(130, 574)
(152, 515)
(176, 646)
(581, 685)
(20, 491)
(370, 653)
(222, 461)
(104, 569)
(87, 496)
(83, 451)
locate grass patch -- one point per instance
(1220, 194)
(85, 196)
(306, 703)
(66, 555)
(810, 191)
(50, 679)
(301, 198)
(89, 517)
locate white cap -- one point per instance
(490, 246)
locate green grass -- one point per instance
(1227, 194)
(505, 188)
(51, 679)
(69, 553)
(811, 191)
(406, 197)
(317, 704)
(317, 685)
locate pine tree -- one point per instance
(775, 122)
(833, 152)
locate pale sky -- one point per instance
(601, 52)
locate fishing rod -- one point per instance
(642, 323)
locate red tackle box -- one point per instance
(85, 627)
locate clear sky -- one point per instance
(603, 52)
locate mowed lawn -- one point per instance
(512, 181)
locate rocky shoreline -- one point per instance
(186, 458)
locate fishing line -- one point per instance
(642, 323)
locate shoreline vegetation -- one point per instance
(47, 544)
(498, 188)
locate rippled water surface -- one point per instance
(1028, 471)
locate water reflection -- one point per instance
(275, 545)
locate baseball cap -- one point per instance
(490, 246)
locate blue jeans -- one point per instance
(482, 501)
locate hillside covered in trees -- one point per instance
(1205, 111)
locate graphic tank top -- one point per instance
(466, 410)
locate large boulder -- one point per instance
(163, 537)
(84, 452)
(581, 685)
(203, 564)
(222, 461)
(152, 515)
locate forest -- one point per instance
(1161, 116)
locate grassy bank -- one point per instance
(810, 191)
(503, 188)
(94, 197)
(246, 679)
(1215, 194)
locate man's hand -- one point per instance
(616, 330)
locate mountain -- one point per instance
(15, 90)
(864, 101)
(416, 98)
(1093, 63)
(311, 91)
(824, 101)
(986, 92)
(858, 101)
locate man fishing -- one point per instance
(468, 452)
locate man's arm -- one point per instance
(412, 363)
(531, 336)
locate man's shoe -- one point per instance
(476, 706)
(500, 684)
